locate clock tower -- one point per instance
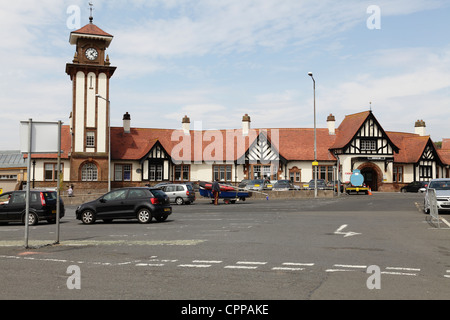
(90, 72)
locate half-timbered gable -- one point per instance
(156, 165)
(370, 140)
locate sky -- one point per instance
(215, 61)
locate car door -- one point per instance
(170, 191)
(133, 198)
(16, 206)
(4, 205)
(112, 205)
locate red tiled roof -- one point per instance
(348, 128)
(445, 144)
(294, 144)
(92, 29)
(411, 146)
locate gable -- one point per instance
(371, 139)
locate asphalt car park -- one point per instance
(297, 249)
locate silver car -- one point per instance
(179, 193)
(442, 187)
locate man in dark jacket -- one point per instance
(216, 190)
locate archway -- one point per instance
(372, 175)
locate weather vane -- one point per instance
(91, 5)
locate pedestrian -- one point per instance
(216, 190)
(70, 191)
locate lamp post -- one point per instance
(109, 139)
(315, 136)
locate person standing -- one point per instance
(216, 190)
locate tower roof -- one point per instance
(90, 31)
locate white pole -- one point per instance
(27, 205)
(58, 192)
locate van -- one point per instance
(179, 193)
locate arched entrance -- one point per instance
(372, 175)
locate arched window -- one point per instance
(89, 172)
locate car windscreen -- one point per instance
(49, 195)
(189, 187)
(158, 193)
(440, 185)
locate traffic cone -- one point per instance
(370, 191)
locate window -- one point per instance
(122, 172)
(369, 145)
(116, 195)
(90, 139)
(89, 172)
(259, 171)
(155, 173)
(51, 172)
(326, 173)
(295, 174)
(397, 174)
(425, 172)
(222, 172)
(182, 173)
(8, 177)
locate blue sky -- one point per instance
(217, 60)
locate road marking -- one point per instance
(445, 221)
(82, 243)
(399, 273)
(251, 262)
(297, 264)
(346, 234)
(337, 270)
(349, 266)
(288, 269)
(240, 267)
(194, 265)
(402, 268)
(207, 261)
(149, 264)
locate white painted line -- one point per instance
(240, 267)
(399, 273)
(446, 276)
(297, 264)
(251, 262)
(149, 264)
(349, 266)
(337, 270)
(207, 261)
(401, 268)
(445, 221)
(195, 265)
(288, 269)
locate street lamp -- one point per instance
(109, 139)
(315, 136)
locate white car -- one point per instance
(442, 187)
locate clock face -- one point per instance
(91, 54)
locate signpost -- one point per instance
(40, 137)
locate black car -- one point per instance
(42, 207)
(414, 186)
(138, 203)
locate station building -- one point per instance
(96, 156)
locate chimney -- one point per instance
(186, 123)
(420, 128)
(331, 122)
(126, 123)
(245, 124)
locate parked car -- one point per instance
(142, 204)
(42, 207)
(334, 185)
(256, 185)
(321, 184)
(243, 183)
(442, 188)
(415, 186)
(283, 185)
(179, 193)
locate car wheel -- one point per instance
(88, 217)
(179, 201)
(32, 219)
(162, 218)
(144, 215)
